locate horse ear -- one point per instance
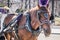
(47, 5)
(38, 6)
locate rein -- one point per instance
(13, 22)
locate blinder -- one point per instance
(44, 12)
(46, 15)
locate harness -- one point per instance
(13, 22)
(28, 23)
(29, 27)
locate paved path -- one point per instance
(51, 37)
(55, 30)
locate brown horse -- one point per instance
(44, 12)
(37, 19)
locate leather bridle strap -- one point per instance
(45, 15)
(44, 21)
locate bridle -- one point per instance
(45, 14)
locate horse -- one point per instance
(35, 18)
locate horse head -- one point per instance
(43, 16)
(40, 20)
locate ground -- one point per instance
(55, 34)
(51, 37)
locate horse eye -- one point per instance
(45, 15)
